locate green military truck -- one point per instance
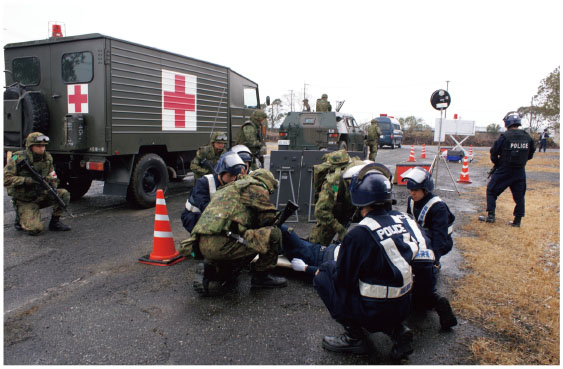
(320, 131)
(129, 115)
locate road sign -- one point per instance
(440, 99)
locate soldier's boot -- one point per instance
(446, 314)
(351, 341)
(516, 222)
(56, 225)
(17, 224)
(266, 280)
(490, 218)
(201, 281)
(401, 337)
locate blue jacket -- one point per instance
(369, 283)
(198, 200)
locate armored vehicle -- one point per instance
(129, 115)
(320, 131)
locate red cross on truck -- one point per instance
(77, 99)
(181, 101)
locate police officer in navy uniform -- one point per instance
(509, 154)
(367, 284)
(436, 219)
(229, 166)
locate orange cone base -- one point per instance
(464, 181)
(147, 260)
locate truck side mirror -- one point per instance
(267, 100)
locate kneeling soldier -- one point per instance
(27, 194)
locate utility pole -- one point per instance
(445, 111)
(531, 109)
(304, 90)
(291, 98)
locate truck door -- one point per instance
(78, 77)
(353, 142)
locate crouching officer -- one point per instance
(509, 154)
(368, 285)
(229, 166)
(27, 194)
(436, 219)
(236, 226)
(206, 157)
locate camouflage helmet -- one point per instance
(219, 137)
(374, 120)
(36, 138)
(266, 177)
(324, 96)
(257, 115)
(337, 157)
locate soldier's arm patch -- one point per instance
(335, 188)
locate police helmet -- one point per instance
(371, 166)
(231, 163)
(418, 178)
(512, 118)
(36, 138)
(243, 152)
(219, 137)
(370, 187)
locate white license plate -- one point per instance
(283, 142)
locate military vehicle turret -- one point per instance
(320, 131)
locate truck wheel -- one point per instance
(78, 187)
(392, 145)
(149, 175)
(343, 146)
(35, 114)
(399, 145)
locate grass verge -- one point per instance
(511, 287)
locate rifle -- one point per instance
(46, 185)
(208, 165)
(280, 218)
(491, 172)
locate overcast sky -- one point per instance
(379, 56)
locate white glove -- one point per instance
(298, 265)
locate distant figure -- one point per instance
(543, 140)
(373, 139)
(306, 106)
(323, 104)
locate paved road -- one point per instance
(80, 297)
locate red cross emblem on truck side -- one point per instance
(179, 103)
(77, 98)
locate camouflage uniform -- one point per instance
(373, 139)
(323, 104)
(207, 153)
(28, 195)
(251, 136)
(334, 209)
(244, 208)
(306, 106)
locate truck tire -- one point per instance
(35, 114)
(392, 145)
(77, 184)
(399, 145)
(149, 175)
(343, 146)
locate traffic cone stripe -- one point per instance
(161, 202)
(411, 157)
(163, 217)
(161, 234)
(464, 176)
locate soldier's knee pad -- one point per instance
(64, 195)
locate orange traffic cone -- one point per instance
(163, 251)
(411, 157)
(423, 155)
(464, 176)
(471, 150)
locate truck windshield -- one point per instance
(250, 98)
(384, 126)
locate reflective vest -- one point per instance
(212, 190)
(422, 216)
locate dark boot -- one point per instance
(201, 281)
(516, 222)
(402, 342)
(56, 225)
(446, 314)
(490, 218)
(266, 280)
(17, 224)
(349, 342)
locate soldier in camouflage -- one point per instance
(209, 153)
(306, 106)
(242, 209)
(374, 134)
(27, 195)
(333, 209)
(251, 135)
(323, 104)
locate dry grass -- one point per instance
(544, 162)
(512, 285)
